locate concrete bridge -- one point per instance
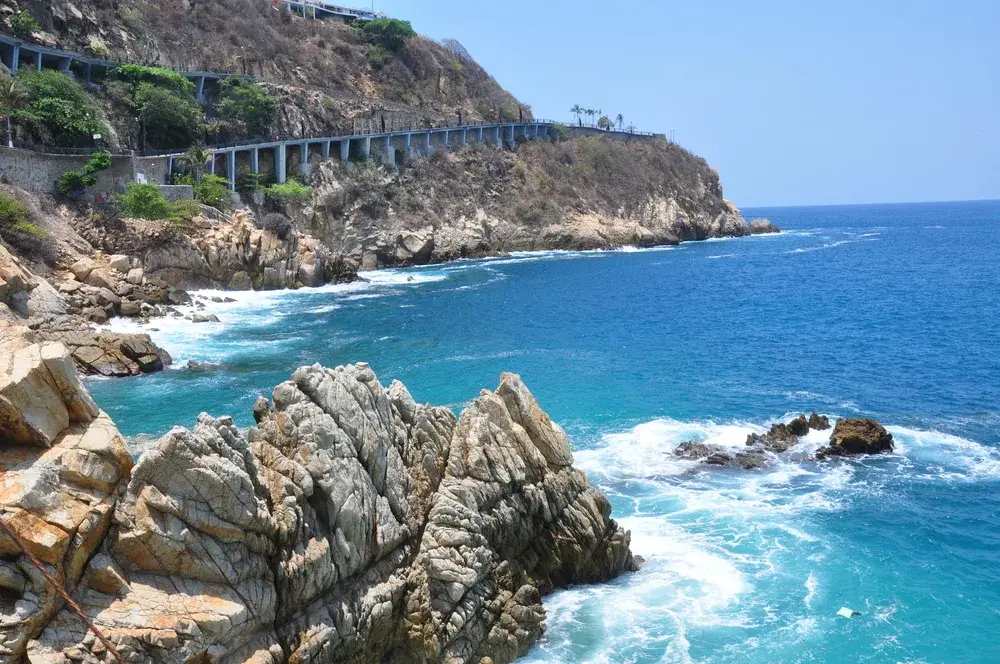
(327, 9)
(16, 53)
(386, 145)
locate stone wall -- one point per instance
(40, 173)
(155, 169)
(176, 192)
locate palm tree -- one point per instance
(577, 110)
(590, 114)
(620, 120)
(12, 96)
(197, 156)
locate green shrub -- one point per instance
(560, 132)
(246, 108)
(212, 191)
(98, 49)
(389, 33)
(162, 77)
(58, 109)
(377, 56)
(144, 201)
(169, 120)
(291, 191)
(17, 230)
(23, 25)
(181, 214)
(72, 183)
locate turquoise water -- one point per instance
(884, 311)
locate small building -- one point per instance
(324, 9)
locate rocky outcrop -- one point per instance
(350, 525)
(852, 437)
(61, 462)
(586, 193)
(240, 256)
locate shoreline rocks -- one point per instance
(850, 437)
(351, 521)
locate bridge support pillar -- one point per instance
(409, 144)
(512, 136)
(170, 169)
(200, 82)
(211, 164)
(447, 139)
(255, 160)
(428, 144)
(479, 134)
(389, 152)
(15, 58)
(326, 149)
(87, 70)
(231, 169)
(64, 64)
(345, 150)
(366, 148)
(465, 137)
(38, 61)
(304, 154)
(280, 163)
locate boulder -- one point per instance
(101, 278)
(204, 318)
(120, 262)
(130, 308)
(135, 276)
(82, 268)
(819, 422)
(852, 437)
(350, 525)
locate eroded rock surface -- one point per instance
(350, 525)
(852, 437)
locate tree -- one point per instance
(590, 114)
(247, 108)
(12, 97)
(23, 25)
(604, 123)
(577, 110)
(169, 120)
(197, 156)
(620, 120)
(58, 110)
(389, 33)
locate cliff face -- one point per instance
(323, 59)
(584, 193)
(350, 525)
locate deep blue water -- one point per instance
(889, 311)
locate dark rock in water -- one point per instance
(779, 439)
(799, 426)
(178, 296)
(819, 422)
(195, 365)
(695, 450)
(744, 460)
(852, 437)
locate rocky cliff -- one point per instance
(582, 193)
(350, 525)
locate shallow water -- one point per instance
(883, 311)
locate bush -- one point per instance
(247, 109)
(144, 201)
(17, 230)
(377, 56)
(181, 213)
(389, 33)
(278, 224)
(23, 25)
(169, 120)
(134, 75)
(292, 191)
(98, 49)
(212, 191)
(73, 183)
(58, 109)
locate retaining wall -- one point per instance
(40, 173)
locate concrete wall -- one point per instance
(155, 169)
(574, 131)
(40, 173)
(177, 192)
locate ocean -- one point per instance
(884, 311)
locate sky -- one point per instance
(795, 103)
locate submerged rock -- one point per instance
(716, 455)
(852, 437)
(350, 525)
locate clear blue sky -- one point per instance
(796, 102)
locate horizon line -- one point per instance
(928, 202)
